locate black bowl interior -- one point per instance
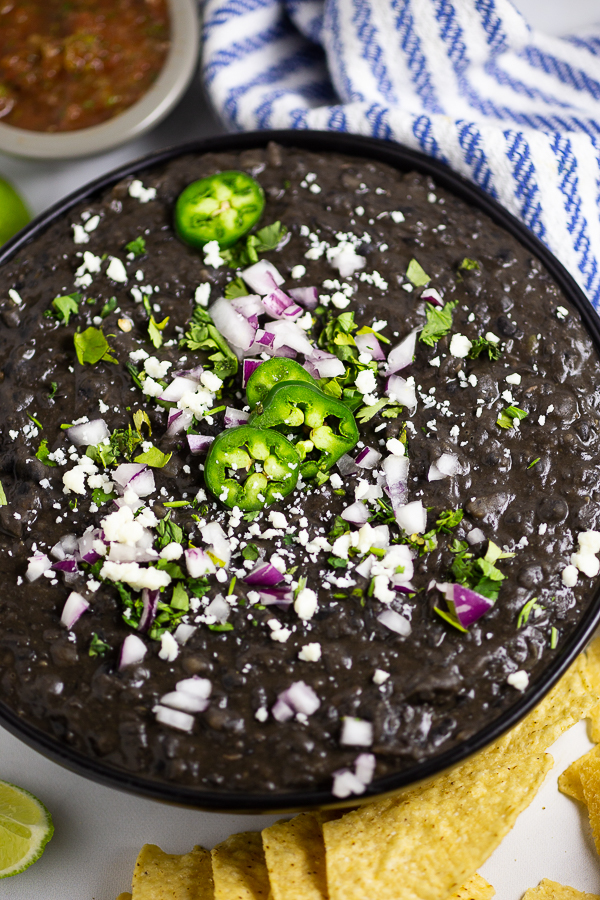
(404, 159)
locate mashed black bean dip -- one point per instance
(380, 613)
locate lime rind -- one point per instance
(25, 829)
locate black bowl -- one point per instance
(403, 159)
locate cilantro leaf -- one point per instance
(483, 345)
(526, 611)
(367, 412)
(137, 247)
(98, 647)
(469, 264)
(203, 335)
(53, 390)
(180, 599)
(99, 496)
(250, 552)
(66, 306)
(154, 328)
(449, 519)
(246, 250)
(235, 288)
(416, 274)
(154, 458)
(438, 324)
(3, 500)
(92, 347)
(507, 417)
(108, 307)
(168, 532)
(43, 453)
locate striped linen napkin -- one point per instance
(465, 81)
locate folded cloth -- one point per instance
(465, 81)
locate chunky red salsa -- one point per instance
(69, 64)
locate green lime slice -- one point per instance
(25, 829)
(14, 215)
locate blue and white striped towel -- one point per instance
(466, 81)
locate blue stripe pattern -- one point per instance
(466, 81)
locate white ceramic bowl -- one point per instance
(155, 104)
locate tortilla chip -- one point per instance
(476, 888)
(552, 890)
(169, 876)
(594, 718)
(295, 855)
(589, 772)
(426, 843)
(570, 780)
(124, 896)
(239, 868)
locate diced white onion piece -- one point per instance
(364, 767)
(368, 458)
(288, 334)
(326, 364)
(395, 622)
(178, 421)
(475, 536)
(198, 687)
(143, 483)
(234, 417)
(448, 464)
(307, 296)
(346, 465)
(395, 469)
(127, 553)
(185, 702)
(199, 443)
(302, 698)
(133, 651)
(430, 295)
(198, 562)
(262, 277)
(88, 434)
(356, 732)
(219, 608)
(125, 472)
(401, 391)
(357, 513)
(178, 387)
(73, 609)
(345, 783)
(38, 564)
(66, 546)
(183, 633)
(213, 534)
(236, 329)
(175, 718)
(412, 517)
(402, 354)
(250, 305)
(281, 711)
(368, 343)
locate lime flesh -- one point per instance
(14, 215)
(25, 829)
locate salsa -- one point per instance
(71, 65)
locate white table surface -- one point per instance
(99, 830)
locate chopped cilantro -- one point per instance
(380, 337)
(198, 587)
(3, 500)
(35, 421)
(483, 345)
(108, 307)
(98, 647)
(416, 274)
(553, 638)
(508, 415)
(175, 504)
(337, 562)
(91, 347)
(231, 588)
(392, 412)
(154, 458)
(99, 496)
(246, 250)
(155, 328)
(235, 288)
(532, 464)
(137, 247)
(289, 539)
(172, 568)
(336, 337)
(66, 306)
(469, 264)
(481, 574)
(225, 626)
(168, 532)
(250, 552)
(140, 418)
(449, 519)
(340, 526)
(203, 335)
(526, 611)
(449, 617)
(180, 599)
(43, 453)
(53, 390)
(134, 374)
(367, 412)
(438, 324)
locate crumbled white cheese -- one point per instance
(134, 575)
(141, 193)
(305, 604)
(379, 676)
(310, 652)
(169, 648)
(298, 271)
(202, 294)
(151, 388)
(138, 355)
(120, 526)
(460, 346)
(518, 680)
(345, 259)
(277, 519)
(116, 271)
(366, 381)
(171, 551)
(212, 257)
(397, 216)
(80, 236)
(395, 447)
(569, 576)
(211, 381)
(92, 223)
(514, 378)
(157, 368)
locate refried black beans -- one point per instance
(351, 662)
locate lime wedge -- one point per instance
(25, 829)
(14, 215)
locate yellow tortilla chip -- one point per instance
(427, 842)
(594, 718)
(295, 855)
(124, 896)
(592, 654)
(169, 876)
(589, 772)
(552, 890)
(475, 888)
(570, 780)
(239, 868)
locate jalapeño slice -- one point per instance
(220, 208)
(325, 427)
(272, 372)
(250, 467)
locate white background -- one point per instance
(98, 830)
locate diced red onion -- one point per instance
(404, 588)
(346, 465)
(279, 305)
(308, 297)
(66, 565)
(279, 597)
(402, 354)
(395, 622)
(234, 417)
(125, 472)
(174, 718)
(412, 517)
(199, 443)
(150, 605)
(364, 767)
(88, 434)
(368, 458)
(432, 296)
(185, 702)
(281, 711)
(401, 391)
(66, 546)
(288, 334)
(85, 546)
(357, 513)
(466, 604)
(133, 650)
(264, 574)
(143, 482)
(73, 609)
(368, 343)
(178, 421)
(262, 277)
(345, 783)
(356, 732)
(395, 469)
(198, 562)
(193, 374)
(196, 686)
(248, 367)
(213, 534)
(237, 330)
(38, 564)
(126, 553)
(326, 364)
(248, 306)
(180, 385)
(302, 698)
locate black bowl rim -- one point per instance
(404, 159)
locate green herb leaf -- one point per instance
(43, 453)
(92, 347)
(155, 328)
(532, 464)
(246, 250)
(108, 307)
(337, 562)
(438, 324)
(449, 519)
(340, 526)
(226, 626)
(202, 335)
(483, 345)
(449, 617)
(66, 306)
(53, 390)
(553, 638)
(140, 418)
(526, 611)
(235, 288)
(154, 458)
(250, 552)
(367, 412)
(469, 264)
(174, 570)
(416, 274)
(168, 532)
(3, 500)
(508, 415)
(180, 599)
(99, 496)
(137, 247)
(98, 647)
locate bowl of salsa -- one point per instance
(81, 77)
